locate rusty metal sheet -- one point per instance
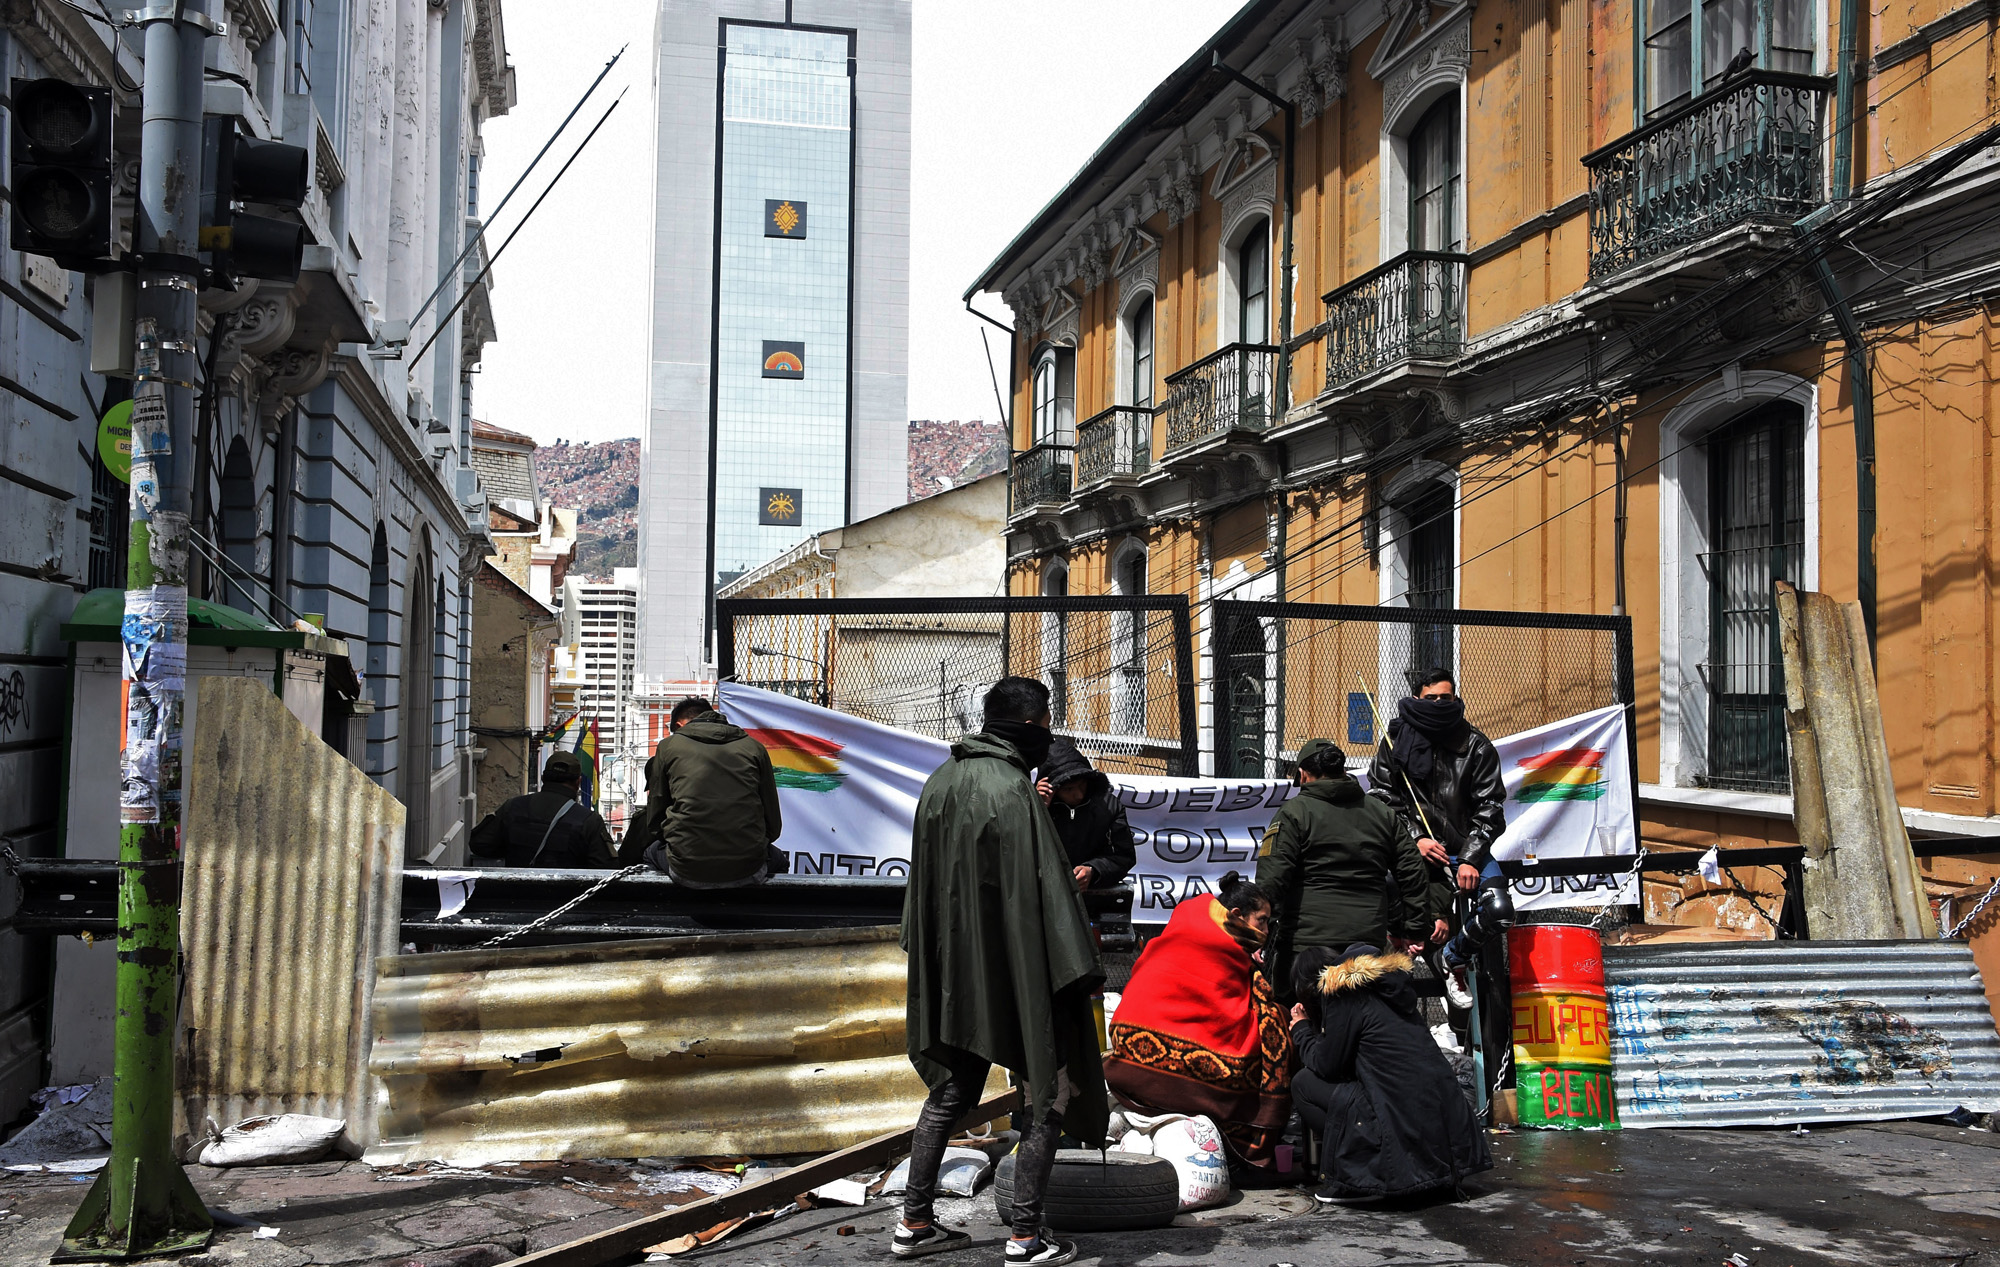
(1763, 1033)
(758, 1043)
(293, 887)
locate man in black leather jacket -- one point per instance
(1088, 816)
(1454, 771)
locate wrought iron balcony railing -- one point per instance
(1748, 149)
(1234, 389)
(1039, 477)
(1411, 308)
(1118, 441)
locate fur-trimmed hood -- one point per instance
(1365, 970)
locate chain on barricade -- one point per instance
(1604, 912)
(11, 860)
(542, 921)
(1992, 891)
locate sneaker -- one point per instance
(1330, 1195)
(935, 1239)
(1047, 1251)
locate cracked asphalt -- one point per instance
(1879, 1196)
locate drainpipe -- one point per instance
(1285, 108)
(1013, 351)
(1861, 379)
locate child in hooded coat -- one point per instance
(1373, 1083)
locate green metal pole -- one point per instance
(142, 1205)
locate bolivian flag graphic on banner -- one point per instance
(802, 761)
(1564, 774)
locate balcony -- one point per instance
(1746, 151)
(1039, 479)
(1409, 310)
(1233, 389)
(1117, 442)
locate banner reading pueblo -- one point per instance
(849, 787)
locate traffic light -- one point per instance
(236, 169)
(60, 170)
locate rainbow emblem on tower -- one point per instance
(806, 762)
(1564, 774)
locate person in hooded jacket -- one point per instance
(1088, 816)
(1372, 1082)
(1002, 968)
(1337, 867)
(711, 790)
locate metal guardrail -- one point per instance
(1039, 477)
(1118, 441)
(1411, 308)
(1231, 389)
(1750, 148)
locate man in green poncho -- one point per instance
(1002, 968)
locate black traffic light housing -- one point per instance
(238, 169)
(59, 172)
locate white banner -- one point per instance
(849, 792)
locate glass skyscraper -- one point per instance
(780, 307)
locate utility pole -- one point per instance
(142, 1204)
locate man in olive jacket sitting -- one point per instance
(711, 789)
(1339, 868)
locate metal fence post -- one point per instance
(142, 1205)
(1184, 670)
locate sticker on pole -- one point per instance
(114, 441)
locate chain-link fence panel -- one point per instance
(1288, 672)
(1119, 670)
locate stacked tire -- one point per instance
(1089, 1191)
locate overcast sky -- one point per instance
(1011, 96)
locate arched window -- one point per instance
(381, 649)
(237, 530)
(1130, 630)
(1435, 180)
(416, 677)
(1139, 342)
(444, 679)
(1253, 285)
(1055, 396)
(1055, 641)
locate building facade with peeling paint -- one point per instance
(1509, 306)
(333, 469)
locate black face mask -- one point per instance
(1031, 740)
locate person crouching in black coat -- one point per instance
(1088, 815)
(1391, 1117)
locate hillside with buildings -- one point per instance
(602, 482)
(958, 452)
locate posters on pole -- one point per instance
(849, 787)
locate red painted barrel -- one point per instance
(1556, 957)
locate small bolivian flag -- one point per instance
(1565, 774)
(802, 761)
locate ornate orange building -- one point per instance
(1376, 305)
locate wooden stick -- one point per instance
(630, 1238)
(1416, 802)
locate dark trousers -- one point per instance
(941, 1112)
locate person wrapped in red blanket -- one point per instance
(1197, 1031)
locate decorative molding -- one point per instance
(1133, 247)
(253, 19)
(262, 326)
(60, 38)
(1060, 316)
(1259, 192)
(1142, 274)
(1242, 159)
(1422, 41)
(1330, 73)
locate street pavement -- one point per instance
(1880, 1196)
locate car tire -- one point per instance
(1090, 1191)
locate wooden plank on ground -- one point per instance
(760, 1194)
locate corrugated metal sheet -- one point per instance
(1777, 1032)
(293, 888)
(759, 1043)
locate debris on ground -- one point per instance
(71, 1129)
(281, 1139)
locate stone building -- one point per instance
(1547, 306)
(332, 464)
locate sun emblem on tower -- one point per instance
(781, 506)
(786, 217)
